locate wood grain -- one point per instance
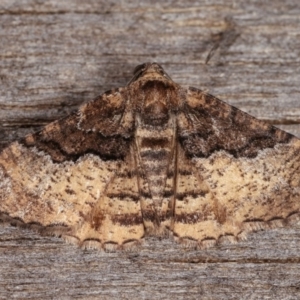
(56, 55)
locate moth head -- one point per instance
(148, 71)
(153, 94)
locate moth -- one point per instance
(152, 158)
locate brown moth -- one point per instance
(152, 158)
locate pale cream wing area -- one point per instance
(248, 171)
(88, 201)
(35, 189)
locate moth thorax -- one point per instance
(155, 104)
(156, 113)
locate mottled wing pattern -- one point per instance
(245, 173)
(54, 179)
(152, 158)
(116, 221)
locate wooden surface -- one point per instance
(55, 55)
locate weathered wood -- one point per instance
(57, 54)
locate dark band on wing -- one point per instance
(124, 196)
(191, 218)
(70, 143)
(154, 217)
(214, 126)
(193, 194)
(127, 219)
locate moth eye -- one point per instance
(137, 70)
